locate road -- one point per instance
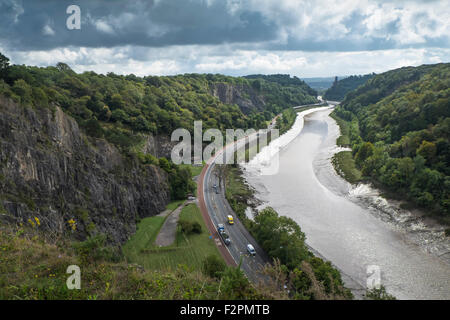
(215, 209)
(219, 208)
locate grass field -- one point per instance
(189, 251)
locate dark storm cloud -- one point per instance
(31, 24)
(272, 25)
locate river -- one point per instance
(339, 224)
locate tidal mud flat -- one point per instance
(352, 226)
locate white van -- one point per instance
(251, 250)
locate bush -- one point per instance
(235, 284)
(189, 227)
(147, 159)
(94, 249)
(213, 266)
(93, 128)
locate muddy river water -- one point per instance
(342, 222)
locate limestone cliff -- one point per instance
(242, 95)
(50, 170)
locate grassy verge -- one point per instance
(343, 162)
(344, 139)
(187, 251)
(32, 268)
(345, 166)
(174, 204)
(237, 192)
(196, 170)
(145, 235)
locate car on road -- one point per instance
(251, 250)
(225, 237)
(230, 219)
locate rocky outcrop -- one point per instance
(51, 171)
(242, 95)
(159, 146)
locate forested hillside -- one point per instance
(341, 87)
(120, 107)
(74, 181)
(296, 84)
(400, 130)
(83, 146)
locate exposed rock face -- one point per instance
(159, 146)
(50, 170)
(242, 95)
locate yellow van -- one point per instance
(230, 219)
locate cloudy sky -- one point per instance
(307, 38)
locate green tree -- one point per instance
(280, 237)
(4, 65)
(427, 150)
(235, 285)
(93, 128)
(117, 102)
(364, 152)
(24, 91)
(120, 116)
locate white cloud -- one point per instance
(48, 31)
(103, 26)
(329, 19)
(228, 60)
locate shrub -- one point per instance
(189, 227)
(213, 266)
(94, 249)
(93, 128)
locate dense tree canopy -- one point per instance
(282, 239)
(400, 132)
(126, 106)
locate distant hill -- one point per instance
(340, 88)
(320, 84)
